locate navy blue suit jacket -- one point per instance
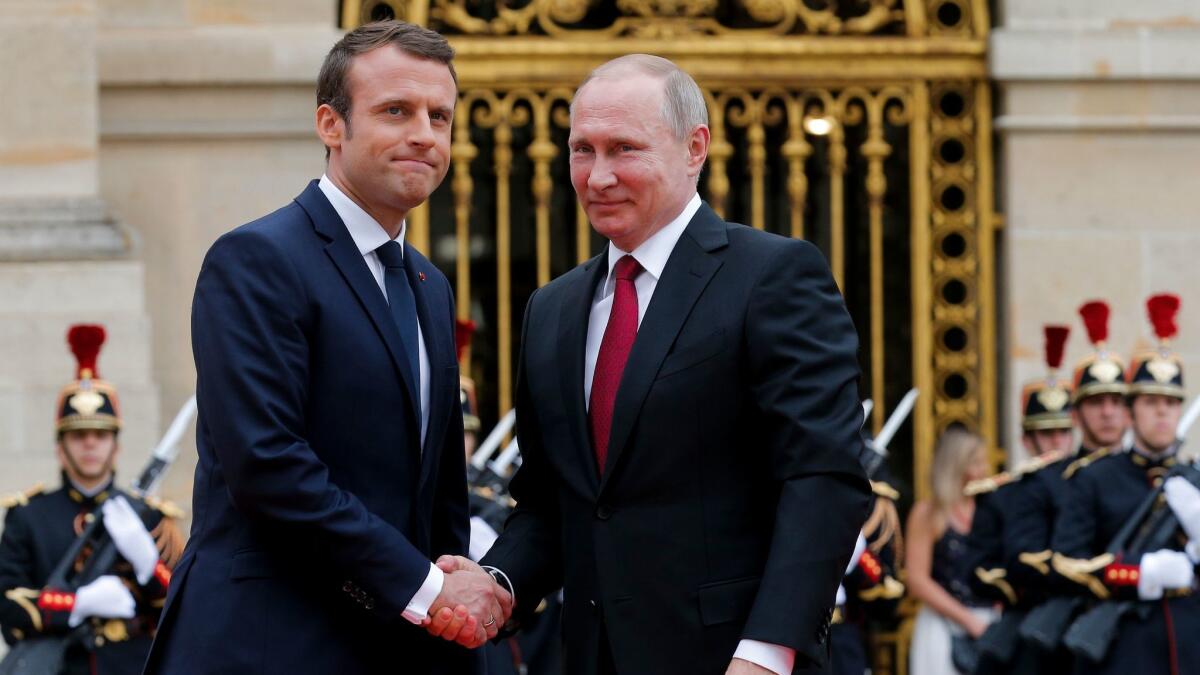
(316, 510)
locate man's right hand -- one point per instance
(1164, 570)
(106, 597)
(471, 607)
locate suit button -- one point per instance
(603, 512)
(370, 603)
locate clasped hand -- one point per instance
(471, 607)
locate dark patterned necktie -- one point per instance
(404, 307)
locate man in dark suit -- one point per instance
(331, 468)
(688, 414)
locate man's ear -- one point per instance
(697, 149)
(331, 127)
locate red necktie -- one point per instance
(614, 352)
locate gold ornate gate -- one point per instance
(863, 125)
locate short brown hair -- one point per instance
(332, 85)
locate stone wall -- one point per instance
(1099, 120)
(64, 258)
(205, 122)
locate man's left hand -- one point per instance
(743, 667)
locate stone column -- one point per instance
(1100, 137)
(63, 257)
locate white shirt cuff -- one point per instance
(418, 608)
(775, 658)
(482, 538)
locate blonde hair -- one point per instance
(953, 456)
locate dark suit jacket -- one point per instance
(315, 511)
(732, 495)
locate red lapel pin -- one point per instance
(421, 276)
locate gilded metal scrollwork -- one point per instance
(669, 18)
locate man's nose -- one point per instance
(601, 176)
(421, 132)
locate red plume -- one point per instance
(463, 329)
(1095, 319)
(1162, 309)
(1056, 340)
(85, 341)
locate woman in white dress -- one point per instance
(936, 556)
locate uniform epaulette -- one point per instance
(165, 507)
(989, 484)
(1042, 461)
(882, 489)
(1082, 462)
(21, 498)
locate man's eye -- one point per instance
(626, 148)
(581, 149)
(394, 110)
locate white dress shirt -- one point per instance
(369, 235)
(652, 255)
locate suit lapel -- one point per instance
(572, 340)
(430, 304)
(350, 263)
(688, 271)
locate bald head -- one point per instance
(683, 106)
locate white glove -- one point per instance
(1184, 500)
(130, 535)
(860, 547)
(105, 597)
(1162, 570)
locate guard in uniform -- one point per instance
(871, 591)
(1098, 410)
(1159, 636)
(998, 534)
(1099, 392)
(111, 620)
(463, 330)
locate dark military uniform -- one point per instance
(994, 546)
(39, 528)
(1005, 525)
(872, 587)
(1103, 496)
(873, 590)
(1160, 635)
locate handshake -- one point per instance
(471, 607)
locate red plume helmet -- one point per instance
(85, 341)
(1095, 319)
(1056, 341)
(1162, 309)
(463, 330)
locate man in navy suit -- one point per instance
(331, 465)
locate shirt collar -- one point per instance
(653, 253)
(366, 232)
